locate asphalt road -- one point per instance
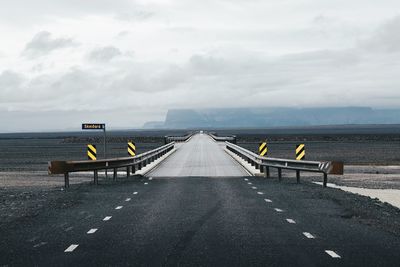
(201, 157)
(201, 221)
(209, 214)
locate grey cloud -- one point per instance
(385, 39)
(10, 79)
(134, 15)
(43, 43)
(21, 12)
(104, 54)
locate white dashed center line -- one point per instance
(333, 254)
(135, 193)
(151, 178)
(146, 183)
(249, 183)
(128, 199)
(278, 210)
(107, 218)
(260, 193)
(290, 221)
(308, 235)
(71, 248)
(254, 187)
(92, 231)
(246, 179)
(268, 200)
(119, 207)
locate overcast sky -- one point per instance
(124, 62)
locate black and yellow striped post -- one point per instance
(300, 155)
(91, 152)
(132, 153)
(300, 152)
(92, 155)
(131, 149)
(263, 149)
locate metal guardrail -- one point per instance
(231, 139)
(264, 164)
(131, 163)
(170, 138)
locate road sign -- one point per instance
(300, 152)
(92, 152)
(93, 126)
(263, 149)
(131, 149)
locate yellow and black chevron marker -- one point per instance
(263, 149)
(300, 152)
(92, 152)
(131, 149)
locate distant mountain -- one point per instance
(274, 117)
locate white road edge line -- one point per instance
(92, 231)
(333, 254)
(308, 235)
(260, 193)
(71, 248)
(107, 218)
(268, 200)
(278, 210)
(118, 207)
(290, 221)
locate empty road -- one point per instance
(223, 219)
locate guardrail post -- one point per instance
(280, 174)
(139, 166)
(133, 169)
(115, 174)
(127, 171)
(298, 176)
(96, 177)
(66, 180)
(325, 179)
(261, 168)
(267, 172)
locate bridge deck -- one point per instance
(200, 156)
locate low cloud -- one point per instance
(385, 39)
(44, 43)
(104, 54)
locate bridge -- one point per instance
(197, 202)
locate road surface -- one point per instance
(201, 157)
(196, 221)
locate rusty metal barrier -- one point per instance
(130, 163)
(265, 163)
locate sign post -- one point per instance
(98, 126)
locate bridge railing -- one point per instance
(170, 138)
(231, 138)
(130, 163)
(265, 163)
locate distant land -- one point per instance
(222, 118)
